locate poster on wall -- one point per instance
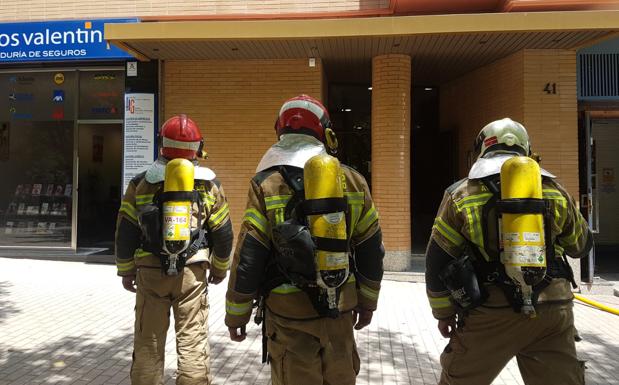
(139, 135)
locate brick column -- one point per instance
(391, 189)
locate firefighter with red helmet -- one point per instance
(309, 253)
(173, 226)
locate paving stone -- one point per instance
(72, 323)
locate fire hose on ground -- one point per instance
(596, 304)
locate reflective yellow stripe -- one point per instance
(279, 215)
(551, 193)
(238, 308)
(351, 278)
(139, 253)
(355, 197)
(439, 302)
(559, 250)
(208, 198)
(364, 223)
(355, 200)
(447, 231)
(572, 239)
(144, 199)
(219, 216)
(473, 200)
(286, 288)
(125, 266)
(475, 229)
(368, 292)
(221, 264)
(129, 209)
(259, 221)
(276, 201)
(355, 213)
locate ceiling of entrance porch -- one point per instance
(442, 47)
(435, 58)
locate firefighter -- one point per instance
(498, 287)
(310, 304)
(162, 279)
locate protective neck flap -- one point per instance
(156, 171)
(291, 150)
(491, 165)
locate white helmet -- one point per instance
(503, 136)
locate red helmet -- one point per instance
(180, 138)
(303, 115)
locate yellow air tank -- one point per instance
(522, 233)
(177, 212)
(323, 178)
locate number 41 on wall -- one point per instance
(551, 88)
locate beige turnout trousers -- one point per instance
(186, 295)
(314, 352)
(544, 347)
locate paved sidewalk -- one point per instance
(71, 323)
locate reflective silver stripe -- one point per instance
(238, 309)
(171, 143)
(276, 201)
(221, 264)
(439, 302)
(279, 215)
(129, 209)
(144, 199)
(125, 266)
(219, 216)
(285, 289)
(304, 104)
(448, 232)
(254, 217)
(368, 292)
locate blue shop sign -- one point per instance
(58, 41)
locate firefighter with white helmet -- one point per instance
(309, 251)
(497, 276)
(173, 227)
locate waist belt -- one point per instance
(494, 273)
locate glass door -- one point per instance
(99, 183)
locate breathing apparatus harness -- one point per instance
(150, 221)
(294, 246)
(467, 276)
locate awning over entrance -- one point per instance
(442, 46)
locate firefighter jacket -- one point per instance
(215, 220)
(459, 225)
(268, 197)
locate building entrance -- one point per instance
(605, 194)
(99, 183)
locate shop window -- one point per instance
(101, 94)
(36, 158)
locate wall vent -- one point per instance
(598, 76)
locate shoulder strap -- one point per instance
(493, 185)
(293, 176)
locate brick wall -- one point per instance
(486, 94)
(235, 104)
(552, 119)
(79, 9)
(391, 82)
(514, 87)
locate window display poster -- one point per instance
(139, 135)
